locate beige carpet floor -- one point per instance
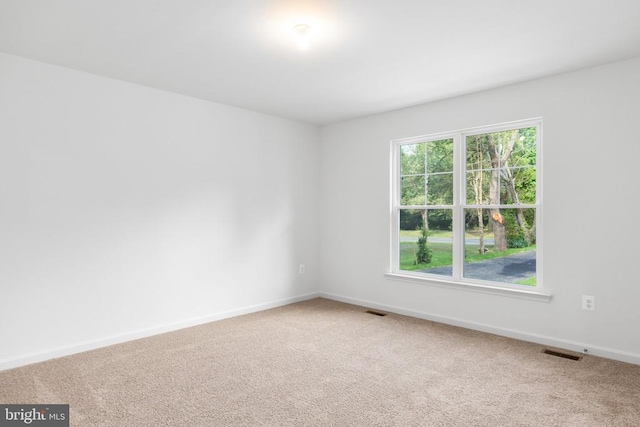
(324, 363)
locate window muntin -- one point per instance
(477, 193)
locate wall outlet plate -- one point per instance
(588, 302)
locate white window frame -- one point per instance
(459, 205)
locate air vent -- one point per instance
(563, 355)
(376, 313)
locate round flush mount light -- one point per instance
(302, 35)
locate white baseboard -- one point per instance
(505, 332)
(143, 333)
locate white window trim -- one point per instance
(456, 281)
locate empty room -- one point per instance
(319, 213)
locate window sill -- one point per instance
(473, 287)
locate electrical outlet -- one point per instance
(588, 302)
(301, 269)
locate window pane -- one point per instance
(524, 149)
(478, 187)
(434, 254)
(500, 245)
(497, 173)
(440, 156)
(518, 185)
(477, 152)
(501, 167)
(413, 190)
(440, 189)
(412, 159)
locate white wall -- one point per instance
(591, 156)
(126, 210)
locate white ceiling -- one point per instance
(366, 56)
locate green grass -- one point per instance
(444, 233)
(472, 254)
(529, 281)
(432, 233)
(442, 256)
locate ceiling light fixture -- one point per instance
(302, 35)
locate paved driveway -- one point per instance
(508, 269)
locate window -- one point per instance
(466, 206)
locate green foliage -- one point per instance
(516, 237)
(440, 219)
(427, 173)
(517, 168)
(410, 219)
(517, 241)
(524, 158)
(424, 254)
(437, 219)
(525, 184)
(471, 218)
